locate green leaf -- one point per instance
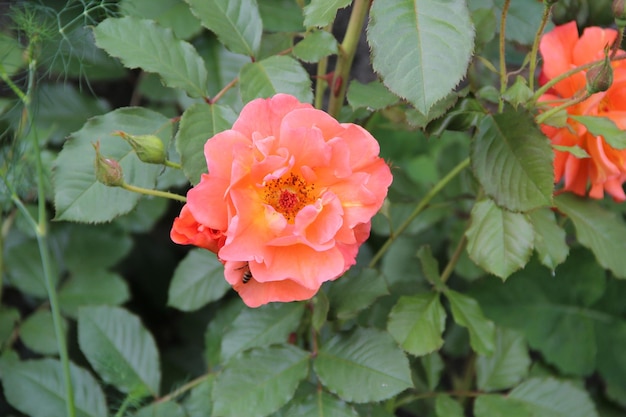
(173, 14)
(549, 239)
(555, 313)
(237, 23)
(104, 244)
(198, 124)
(216, 329)
(261, 327)
(498, 240)
(597, 229)
(467, 313)
(508, 364)
(64, 108)
(605, 127)
(430, 267)
(322, 12)
(355, 291)
(199, 403)
(548, 397)
(372, 96)
(492, 405)
(319, 404)
(575, 150)
(260, 381)
(421, 48)
(164, 409)
(37, 389)
(9, 317)
(141, 43)
(433, 368)
(364, 366)
(120, 349)
(281, 16)
(321, 305)
(445, 406)
(417, 322)
(315, 46)
(147, 213)
(37, 332)
(78, 196)
(512, 159)
(198, 280)
(25, 271)
(276, 74)
(92, 288)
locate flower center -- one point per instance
(288, 195)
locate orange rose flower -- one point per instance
(287, 201)
(605, 168)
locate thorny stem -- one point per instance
(346, 55)
(320, 82)
(223, 91)
(454, 259)
(533, 53)
(502, 39)
(618, 42)
(420, 207)
(155, 193)
(183, 389)
(425, 395)
(548, 113)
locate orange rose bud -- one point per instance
(108, 171)
(149, 148)
(600, 77)
(619, 13)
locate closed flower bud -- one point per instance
(550, 2)
(600, 77)
(619, 12)
(108, 171)
(149, 148)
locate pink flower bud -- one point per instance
(600, 77)
(108, 171)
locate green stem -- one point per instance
(544, 88)
(172, 164)
(155, 193)
(420, 207)
(19, 93)
(454, 259)
(41, 232)
(548, 113)
(347, 51)
(320, 83)
(502, 42)
(183, 389)
(535, 48)
(130, 399)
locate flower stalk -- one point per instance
(502, 42)
(535, 48)
(346, 56)
(420, 207)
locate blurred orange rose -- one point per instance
(287, 201)
(605, 168)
